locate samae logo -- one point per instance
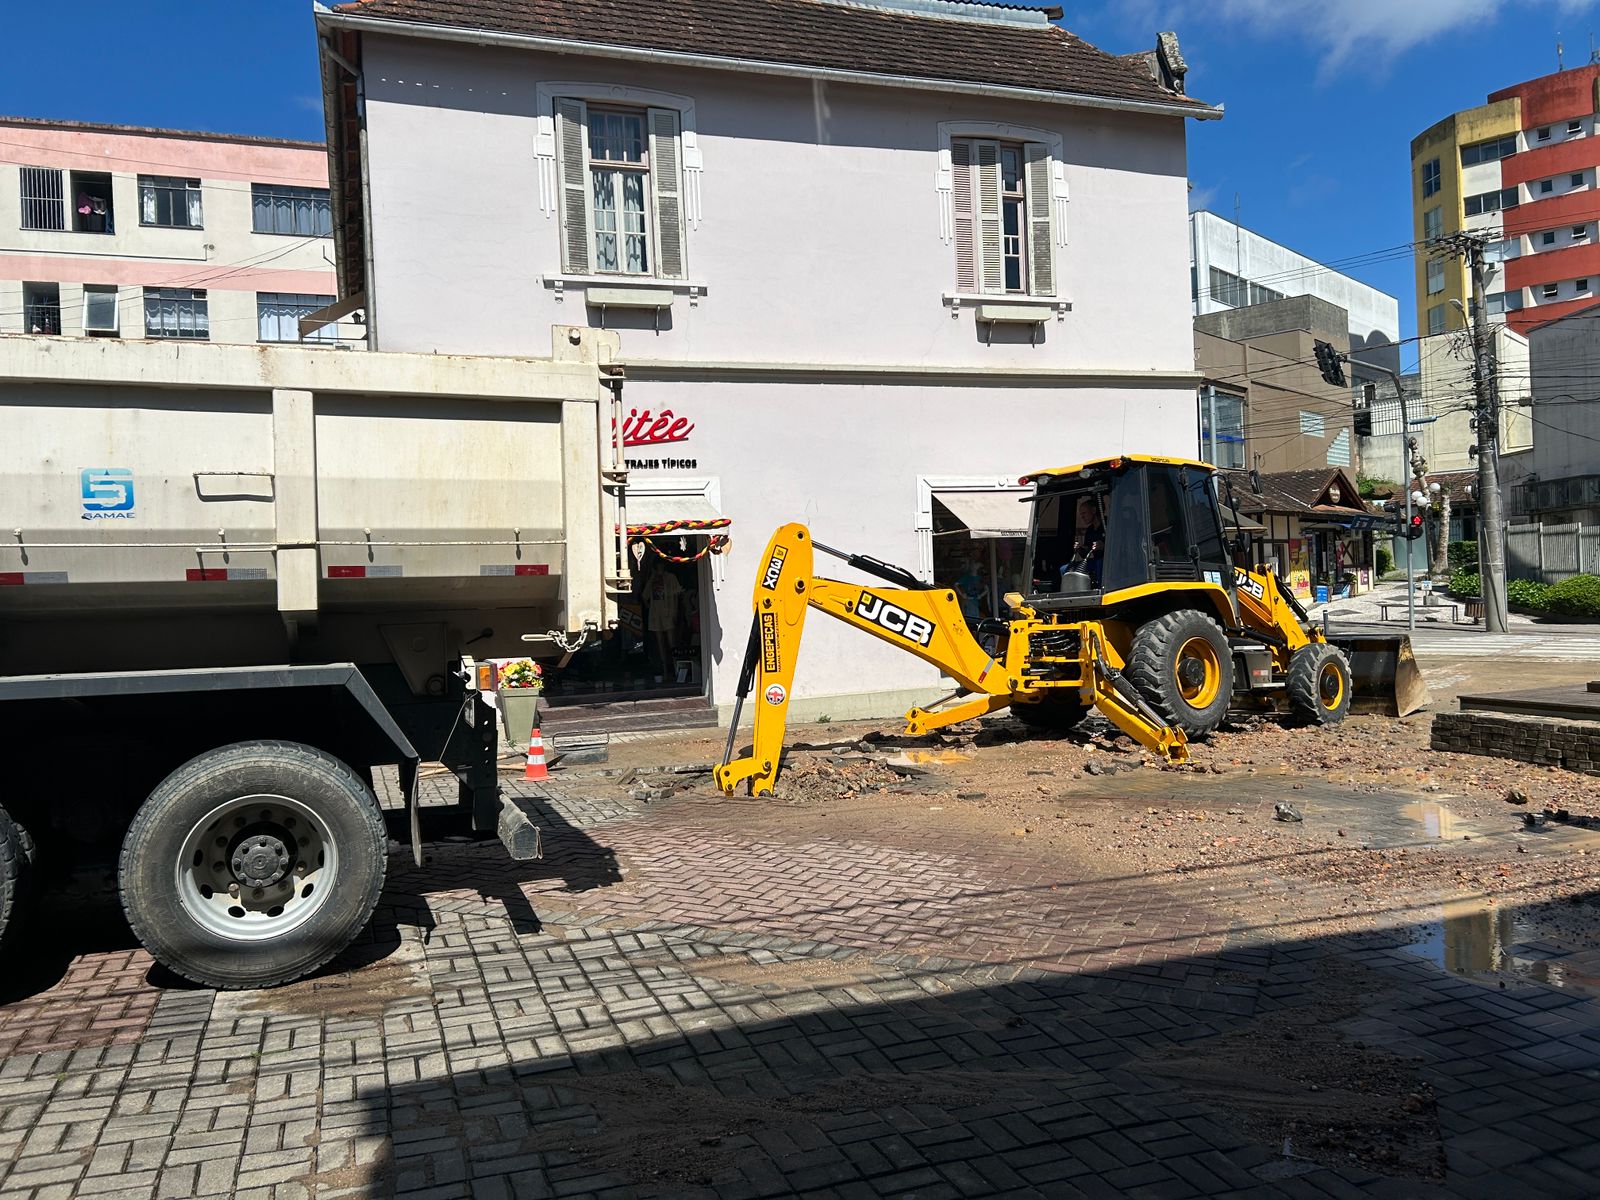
(107, 493)
(894, 618)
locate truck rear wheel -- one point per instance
(13, 866)
(254, 864)
(1319, 684)
(1182, 665)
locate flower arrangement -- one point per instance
(523, 674)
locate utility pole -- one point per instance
(1487, 423)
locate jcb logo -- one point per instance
(769, 580)
(894, 618)
(1250, 586)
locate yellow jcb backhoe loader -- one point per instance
(1135, 609)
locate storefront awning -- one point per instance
(989, 514)
(1234, 519)
(652, 513)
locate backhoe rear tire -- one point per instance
(1051, 716)
(1183, 667)
(1319, 684)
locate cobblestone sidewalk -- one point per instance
(674, 1004)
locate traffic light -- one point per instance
(1331, 363)
(1414, 530)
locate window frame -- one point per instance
(38, 174)
(1433, 217)
(114, 329)
(325, 335)
(200, 317)
(1576, 179)
(276, 192)
(1043, 216)
(41, 301)
(1432, 178)
(174, 186)
(1436, 319)
(1550, 291)
(1547, 237)
(1435, 276)
(1574, 128)
(621, 168)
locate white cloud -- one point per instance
(1370, 33)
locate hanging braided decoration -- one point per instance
(716, 543)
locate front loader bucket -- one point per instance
(1384, 674)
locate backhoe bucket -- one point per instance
(1384, 674)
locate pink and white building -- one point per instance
(120, 231)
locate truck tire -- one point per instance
(1051, 716)
(13, 866)
(1319, 684)
(1183, 667)
(253, 864)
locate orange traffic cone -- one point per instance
(535, 768)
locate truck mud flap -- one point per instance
(1384, 674)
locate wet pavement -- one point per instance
(885, 995)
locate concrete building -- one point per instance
(1232, 267)
(117, 231)
(1563, 482)
(1521, 170)
(1263, 403)
(869, 263)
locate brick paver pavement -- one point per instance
(682, 999)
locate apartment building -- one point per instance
(126, 232)
(1263, 403)
(1234, 267)
(1520, 170)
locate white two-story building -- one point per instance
(870, 263)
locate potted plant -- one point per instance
(521, 681)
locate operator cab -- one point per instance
(1102, 528)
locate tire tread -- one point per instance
(221, 760)
(1149, 667)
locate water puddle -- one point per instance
(1436, 820)
(930, 758)
(1477, 940)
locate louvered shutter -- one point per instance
(666, 179)
(572, 151)
(990, 235)
(964, 207)
(1041, 206)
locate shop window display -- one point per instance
(981, 570)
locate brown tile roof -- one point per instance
(811, 34)
(1297, 492)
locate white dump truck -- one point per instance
(234, 580)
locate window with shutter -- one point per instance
(964, 204)
(1003, 202)
(1041, 243)
(572, 167)
(666, 172)
(990, 219)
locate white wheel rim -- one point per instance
(256, 866)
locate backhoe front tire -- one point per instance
(1051, 716)
(1183, 667)
(253, 864)
(1319, 684)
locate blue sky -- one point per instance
(1323, 96)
